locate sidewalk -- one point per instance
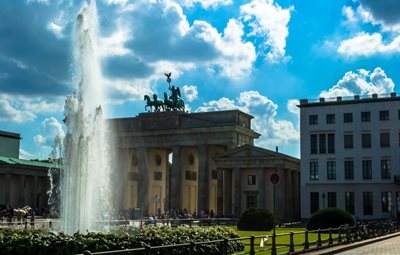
(346, 247)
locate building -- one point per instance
(350, 152)
(22, 182)
(198, 161)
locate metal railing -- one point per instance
(311, 240)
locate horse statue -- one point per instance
(22, 213)
(168, 103)
(176, 104)
(148, 104)
(158, 104)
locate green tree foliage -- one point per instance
(329, 218)
(40, 242)
(256, 219)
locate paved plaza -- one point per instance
(386, 247)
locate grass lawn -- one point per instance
(282, 241)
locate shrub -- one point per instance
(256, 219)
(329, 218)
(40, 242)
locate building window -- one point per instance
(331, 170)
(386, 202)
(349, 169)
(385, 140)
(366, 140)
(314, 175)
(331, 143)
(367, 169)
(251, 180)
(398, 114)
(330, 118)
(214, 174)
(322, 143)
(385, 169)
(348, 117)
(348, 141)
(251, 201)
(383, 115)
(158, 160)
(157, 176)
(191, 175)
(331, 199)
(314, 144)
(367, 203)
(365, 116)
(349, 202)
(314, 202)
(313, 119)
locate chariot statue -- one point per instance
(173, 102)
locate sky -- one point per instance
(259, 56)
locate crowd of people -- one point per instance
(134, 213)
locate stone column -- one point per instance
(289, 195)
(261, 187)
(22, 191)
(203, 182)
(269, 193)
(280, 196)
(220, 192)
(143, 180)
(227, 176)
(296, 194)
(36, 190)
(7, 190)
(176, 179)
(237, 192)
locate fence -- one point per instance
(298, 242)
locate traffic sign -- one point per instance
(274, 178)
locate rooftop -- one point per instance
(356, 99)
(10, 134)
(37, 163)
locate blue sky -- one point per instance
(258, 56)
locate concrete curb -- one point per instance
(345, 247)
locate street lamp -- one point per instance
(323, 199)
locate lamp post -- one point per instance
(323, 199)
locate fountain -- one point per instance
(85, 195)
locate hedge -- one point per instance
(255, 219)
(41, 242)
(329, 218)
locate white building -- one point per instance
(350, 151)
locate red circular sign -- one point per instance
(274, 178)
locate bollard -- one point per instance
(191, 248)
(225, 247)
(319, 242)
(50, 224)
(306, 243)
(330, 237)
(291, 247)
(252, 251)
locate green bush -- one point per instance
(40, 242)
(255, 219)
(329, 218)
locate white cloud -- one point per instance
(19, 109)
(274, 132)
(362, 82)
(206, 4)
(367, 45)
(270, 21)
(50, 129)
(190, 92)
(292, 106)
(23, 154)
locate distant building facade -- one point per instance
(22, 182)
(350, 152)
(177, 160)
